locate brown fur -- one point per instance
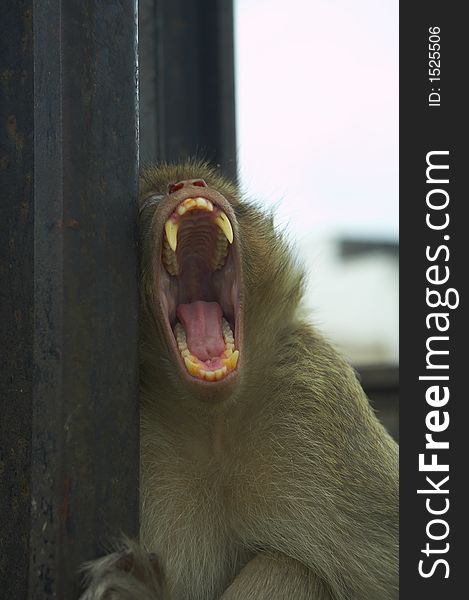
(287, 489)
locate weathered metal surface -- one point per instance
(148, 76)
(195, 105)
(77, 283)
(16, 292)
(68, 163)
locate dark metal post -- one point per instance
(16, 292)
(69, 414)
(188, 71)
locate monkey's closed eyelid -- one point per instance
(149, 202)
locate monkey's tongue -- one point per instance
(202, 324)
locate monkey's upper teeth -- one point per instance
(170, 259)
(194, 204)
(171, 229)
(221, 250)
(224, 224)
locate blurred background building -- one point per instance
(317, 138)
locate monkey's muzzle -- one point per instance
(199, 282)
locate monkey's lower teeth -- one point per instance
(213, 369)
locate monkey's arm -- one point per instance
(324, 486)
(269, 576)
(265, 577)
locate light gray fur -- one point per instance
(288, 490)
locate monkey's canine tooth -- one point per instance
(224, 224)
(171, 229)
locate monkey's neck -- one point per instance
(201, 432)
(220, 437)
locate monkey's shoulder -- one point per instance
(271, 485)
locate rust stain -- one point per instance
(73, 224)
(25, 492)
(14, 134)
(63, 511)
(6, 77)
(24, 210)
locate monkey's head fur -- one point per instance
(219, 284)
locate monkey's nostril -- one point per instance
(174, 187)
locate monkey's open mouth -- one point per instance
(200, 288)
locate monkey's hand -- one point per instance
(131, 574)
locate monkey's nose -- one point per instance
(175, 187)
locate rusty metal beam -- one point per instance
(69, 415)
(187, 92)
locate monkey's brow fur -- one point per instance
(292, 476)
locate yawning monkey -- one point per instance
(264, 472)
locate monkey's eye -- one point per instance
(198, 256)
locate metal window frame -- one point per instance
(187, 87)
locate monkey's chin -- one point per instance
(199, 282)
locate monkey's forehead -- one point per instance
(157, 178)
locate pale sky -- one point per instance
(317, 126)
(317, 112)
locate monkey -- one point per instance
(265, 473)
